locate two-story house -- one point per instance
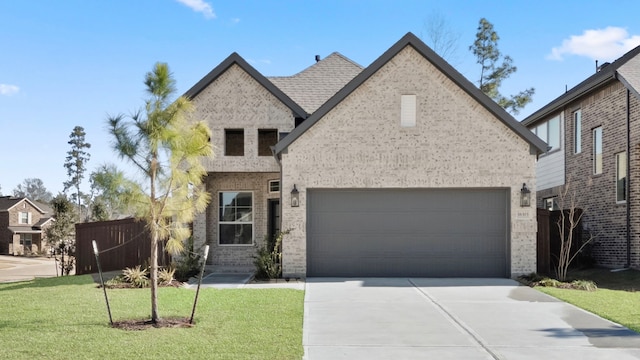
(593, 131)
(22, 225)
(402, 168)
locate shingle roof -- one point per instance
(314, 85)
(606, 75)
(630, 74)
(411, 40)
(7, 202)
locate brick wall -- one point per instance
(456, 143)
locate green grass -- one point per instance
(66, 318)
(616, 299)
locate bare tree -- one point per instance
(570, 219)
(441, 37)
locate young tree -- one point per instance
(61, 234)
(166, 148)
(495, 68)
(570, 219)
(76, 164)
(107, 184)
(33, 189)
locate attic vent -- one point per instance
(408, 111)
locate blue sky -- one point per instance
(74, 62)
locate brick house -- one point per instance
(593, 131)
(402, 168)
(22, 226)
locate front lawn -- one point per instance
(66, 318)
(616, 299)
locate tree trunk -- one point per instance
(154, 276)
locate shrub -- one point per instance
(136, 276)
(165, 276)
(188, 265)
(268, 260)
(586, 285)
(547, 282)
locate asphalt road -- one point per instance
(17, 268)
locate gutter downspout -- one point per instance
(628, 189)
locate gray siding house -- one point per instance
(403, 168)
(594, 134)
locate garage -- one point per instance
(408, 232)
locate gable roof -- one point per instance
(411, 40)
(238, 60)
(627, 64)
(8, 202)
(314, 85)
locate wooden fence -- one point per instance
(121, 243)
(548, 240)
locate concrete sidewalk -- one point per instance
(404, 318)
(227, 280)
(19, 268)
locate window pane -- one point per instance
(274, 186)
(541, 131)
(577, 132)
(554, 133)
(621, 177)
(236, 234)
(597, 150)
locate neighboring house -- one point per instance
(403, 168)
(593, 131)
(22, 226)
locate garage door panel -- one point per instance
(415, 232)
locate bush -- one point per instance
(268, 260)
(165, 276)
(586, 285)
(136, 276)
(187, 266)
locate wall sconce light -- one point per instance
(525, 196)
(295, 197)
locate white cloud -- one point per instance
(200, 6)
(235, 20)
(6, 89)
(602, 44)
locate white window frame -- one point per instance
(544, 132)
(554, 203)
(21, 220)
(624, 169)
(252, 222)
(270, 186)
(577, 131)
(597, 156)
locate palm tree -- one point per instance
(166, 147)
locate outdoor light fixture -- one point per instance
(295, 197)
(525, 196)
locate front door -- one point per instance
(274, 217)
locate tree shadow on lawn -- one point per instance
(48, 282)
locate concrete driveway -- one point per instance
(400, 318)
(18, 268)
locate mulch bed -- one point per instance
(136, 325)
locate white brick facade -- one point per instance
(456, 143)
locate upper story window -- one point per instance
(621, 177)
(577, 132)
(274, 186)
(266, 139)
(597, 150)
(408, 111)
(549, 132)
(234, 142)
(24, 218)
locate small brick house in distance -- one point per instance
(402, 168)
(22, 226)
(593, 131)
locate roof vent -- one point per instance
(604, 65)
(317, 58)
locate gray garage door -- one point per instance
(407, 232)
